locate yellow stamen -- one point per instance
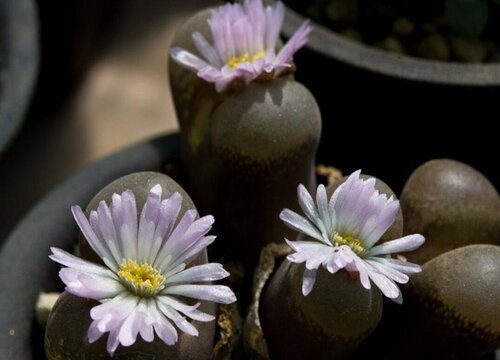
(141, 279)
(234, 61)
(349, 240)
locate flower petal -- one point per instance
(308, 281)
(147, 223)
(274, 21)
(407, 243)
(169, 211)
(403, 266)
(165, 331)
(187, 59)
(373, 231)
(64, 258)
(386, 285)
(90, 286)
(205, 272)
(308, 206)
(192, 252)
(388, 271)
(189, 311)
(124, 210)
(178, 320)
(173, 243)
(216, 293)
(298, 40)
(326, 213)
(207, 51)
(131, 326)
(93, 240)
(300, 224)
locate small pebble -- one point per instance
(468, 49)
(342, 10)
(352, 34)
(392, 44)
(434, 47)
(403, 27)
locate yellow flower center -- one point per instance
(349, 240)
(142, 279)
(234, 61)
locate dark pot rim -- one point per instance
(330, 44)
(18, 73)
(49, 223)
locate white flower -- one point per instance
(244, 44)
(345, 230)
(145, 280)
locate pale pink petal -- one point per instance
(387, 286)
(169, 211)
(64, 258)
(187, 59)
(274, 19)
(192, 252)
(189, 311)
(407, 243)
(113, 341)
(105, 229)
(300, 224)
(90, 286)
(166, 331)
(147, 223)
(403, 266)
(372, 232)
(298, 40)
(130, 327)
(205, 272)
(207, 51)
(173, 243)
(180, 321)
(147, 330)
(363, 272)
(308, 281)
(308, 207)
(119, 307)
(126, 224)
(389, 272)
(94, 333)
(93, 240)
(216, 293)
(326, 214)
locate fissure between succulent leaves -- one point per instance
(349, 240)
(142, 279)
(234, 61)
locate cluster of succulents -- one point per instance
(142, 286)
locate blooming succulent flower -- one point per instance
(244, 44)
(345, 230)
(145, 280)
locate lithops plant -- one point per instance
(452, 205)
(328, 323)
(150, 295)
(335, 310)
(453, 307)
(250, 132)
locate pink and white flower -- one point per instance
(244, 44)
(344, 232)
(145, 280)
